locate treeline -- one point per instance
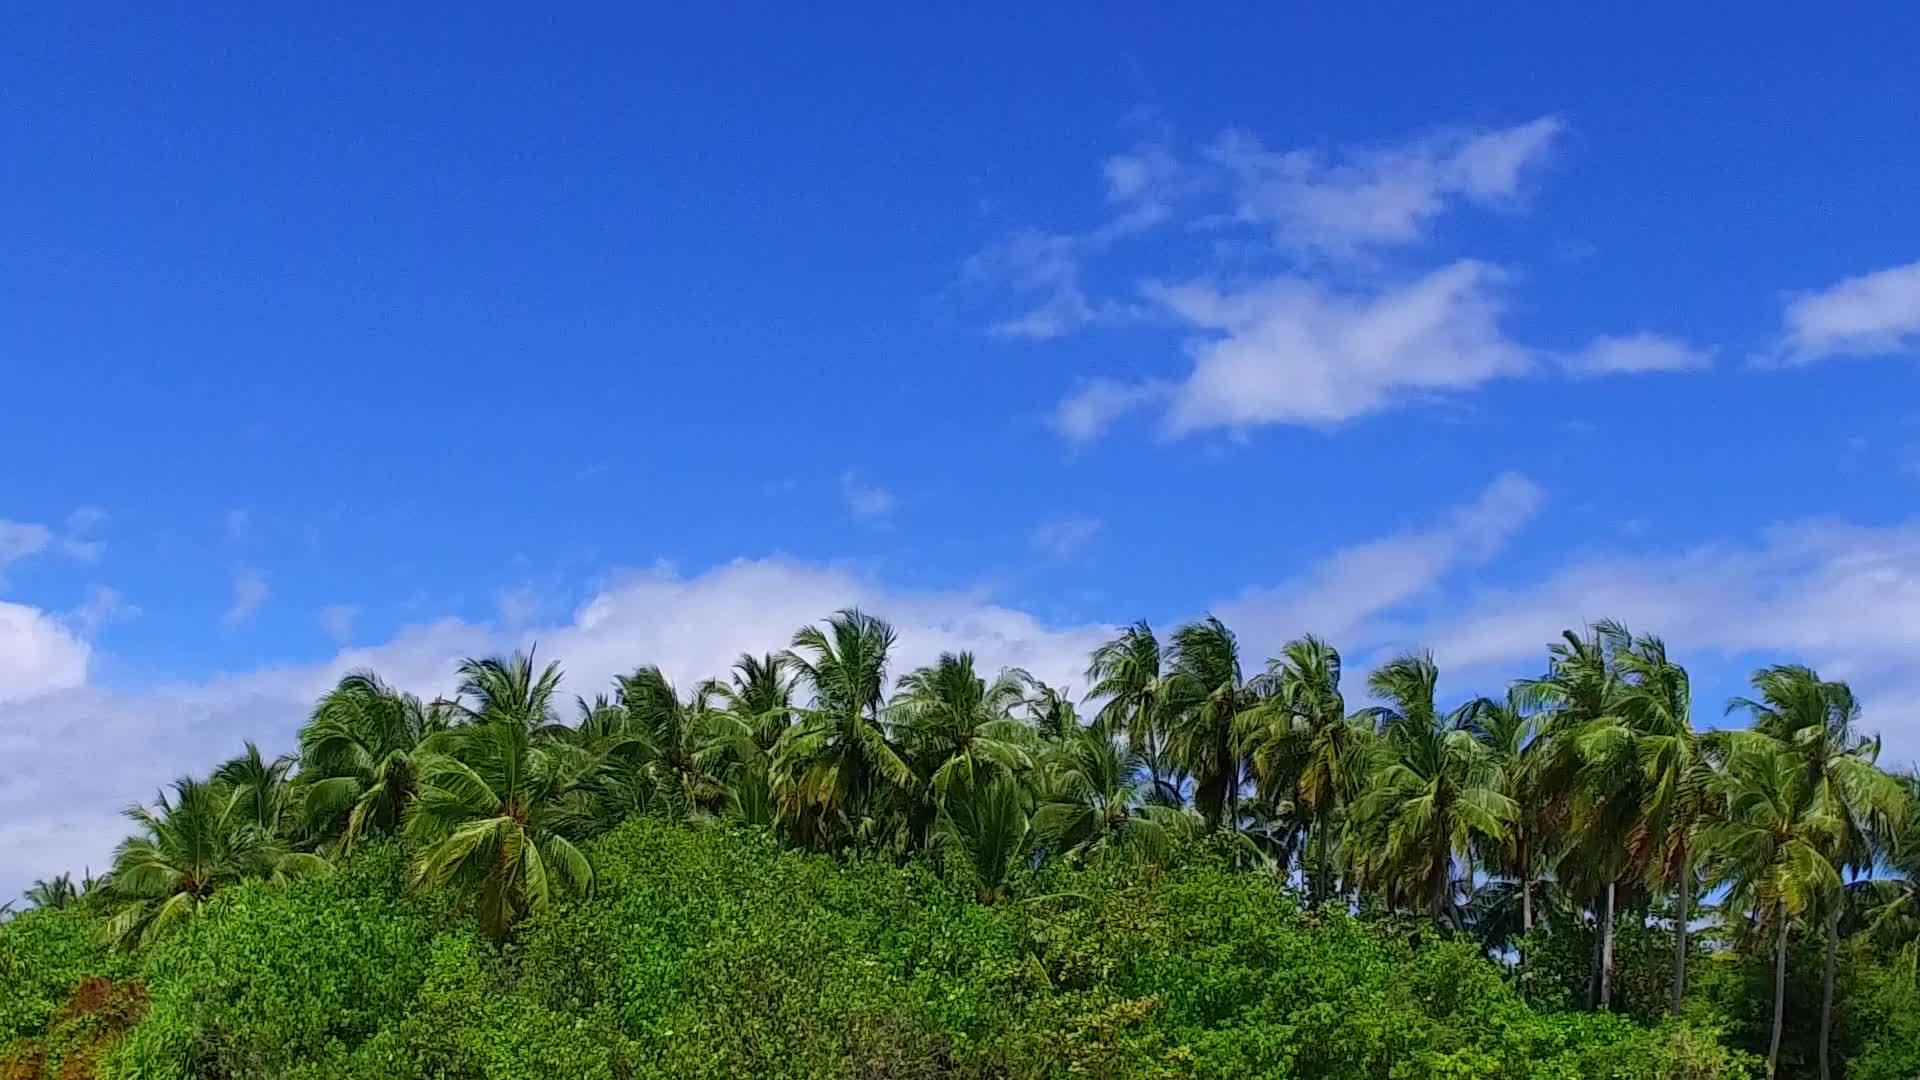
(1576, 852)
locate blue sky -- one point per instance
(382, 339)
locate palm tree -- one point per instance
(492, 807)
(1818, 722)
(754, 709)
(1512, 738)
(258, 788)
(1888, 905)
(957, 729)
(1050, 711)
(1304, 746)
(191, 846)
(829, 766)
(1769, 850)
(58, 894)
(981, 835)
(669, 733)
(1590, 773)
(1125, 676)
(1203, 698)
(358, 757)
(1094, 805)
(1435, 793)
(1678, 795)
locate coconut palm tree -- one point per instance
(191, 845)
(1436, 791)
(981, 835)
(358, 758)
(1513, 739)
(958, 730)
(1677, 788)
(258, 788)
(1818, 722)
(1050, 711)
(492, 810)
(1770, 848)
(1303, 746)
(1095, 805)
(507, 688)
(1590, 774)
(829, 766)
(1125, 676)
(57, 894)
(1203, 696)
(753, 710)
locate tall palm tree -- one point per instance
(1095, 806)
(1512, 738)
(670, 733)
(1888, 905)
(358, 757)
(958, 730)
(191, 845)
(1591, 775)
(508, 688)
(1125, 675)
(1678, 794)
(829, 765)
(492, 808)
(1818, 722)
(1203, 697)
(1436, 791)
(58, 894)
(1770, 851)
(1303, 745)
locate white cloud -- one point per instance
(1064, 537)
(1291, 350)
(1353, 199)
(249, 592)
(19, 540)
(864, 499)
(1636, 354)
(1095, 404)
(1344, 596)
(691, 626)
(337, 621)
(1869, 315)
(103, 605)
(37, 656)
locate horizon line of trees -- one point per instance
(1585, 793)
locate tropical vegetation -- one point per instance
(818, 865)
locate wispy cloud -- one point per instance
(249, 593)
(1066, 536)
(102, 606)
(1872, 314)
(337, 620)
(239, 524)
(19, 540)
(865, 500)
(1344, 202)
(1636, 354)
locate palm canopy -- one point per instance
(1203, 697)
(958, 730)
(493, 808)
(1097, 803)
(829, 765)
(200, 839)
(1436, 790)
(358, 757)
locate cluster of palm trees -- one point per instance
(1586, 789)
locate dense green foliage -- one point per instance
(814, 868)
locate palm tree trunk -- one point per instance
(1320, 887)
(1606, 953)
(1682, 903)
(1826, 988)
(1593, 970)
(1779, 995)
(1526, 890)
